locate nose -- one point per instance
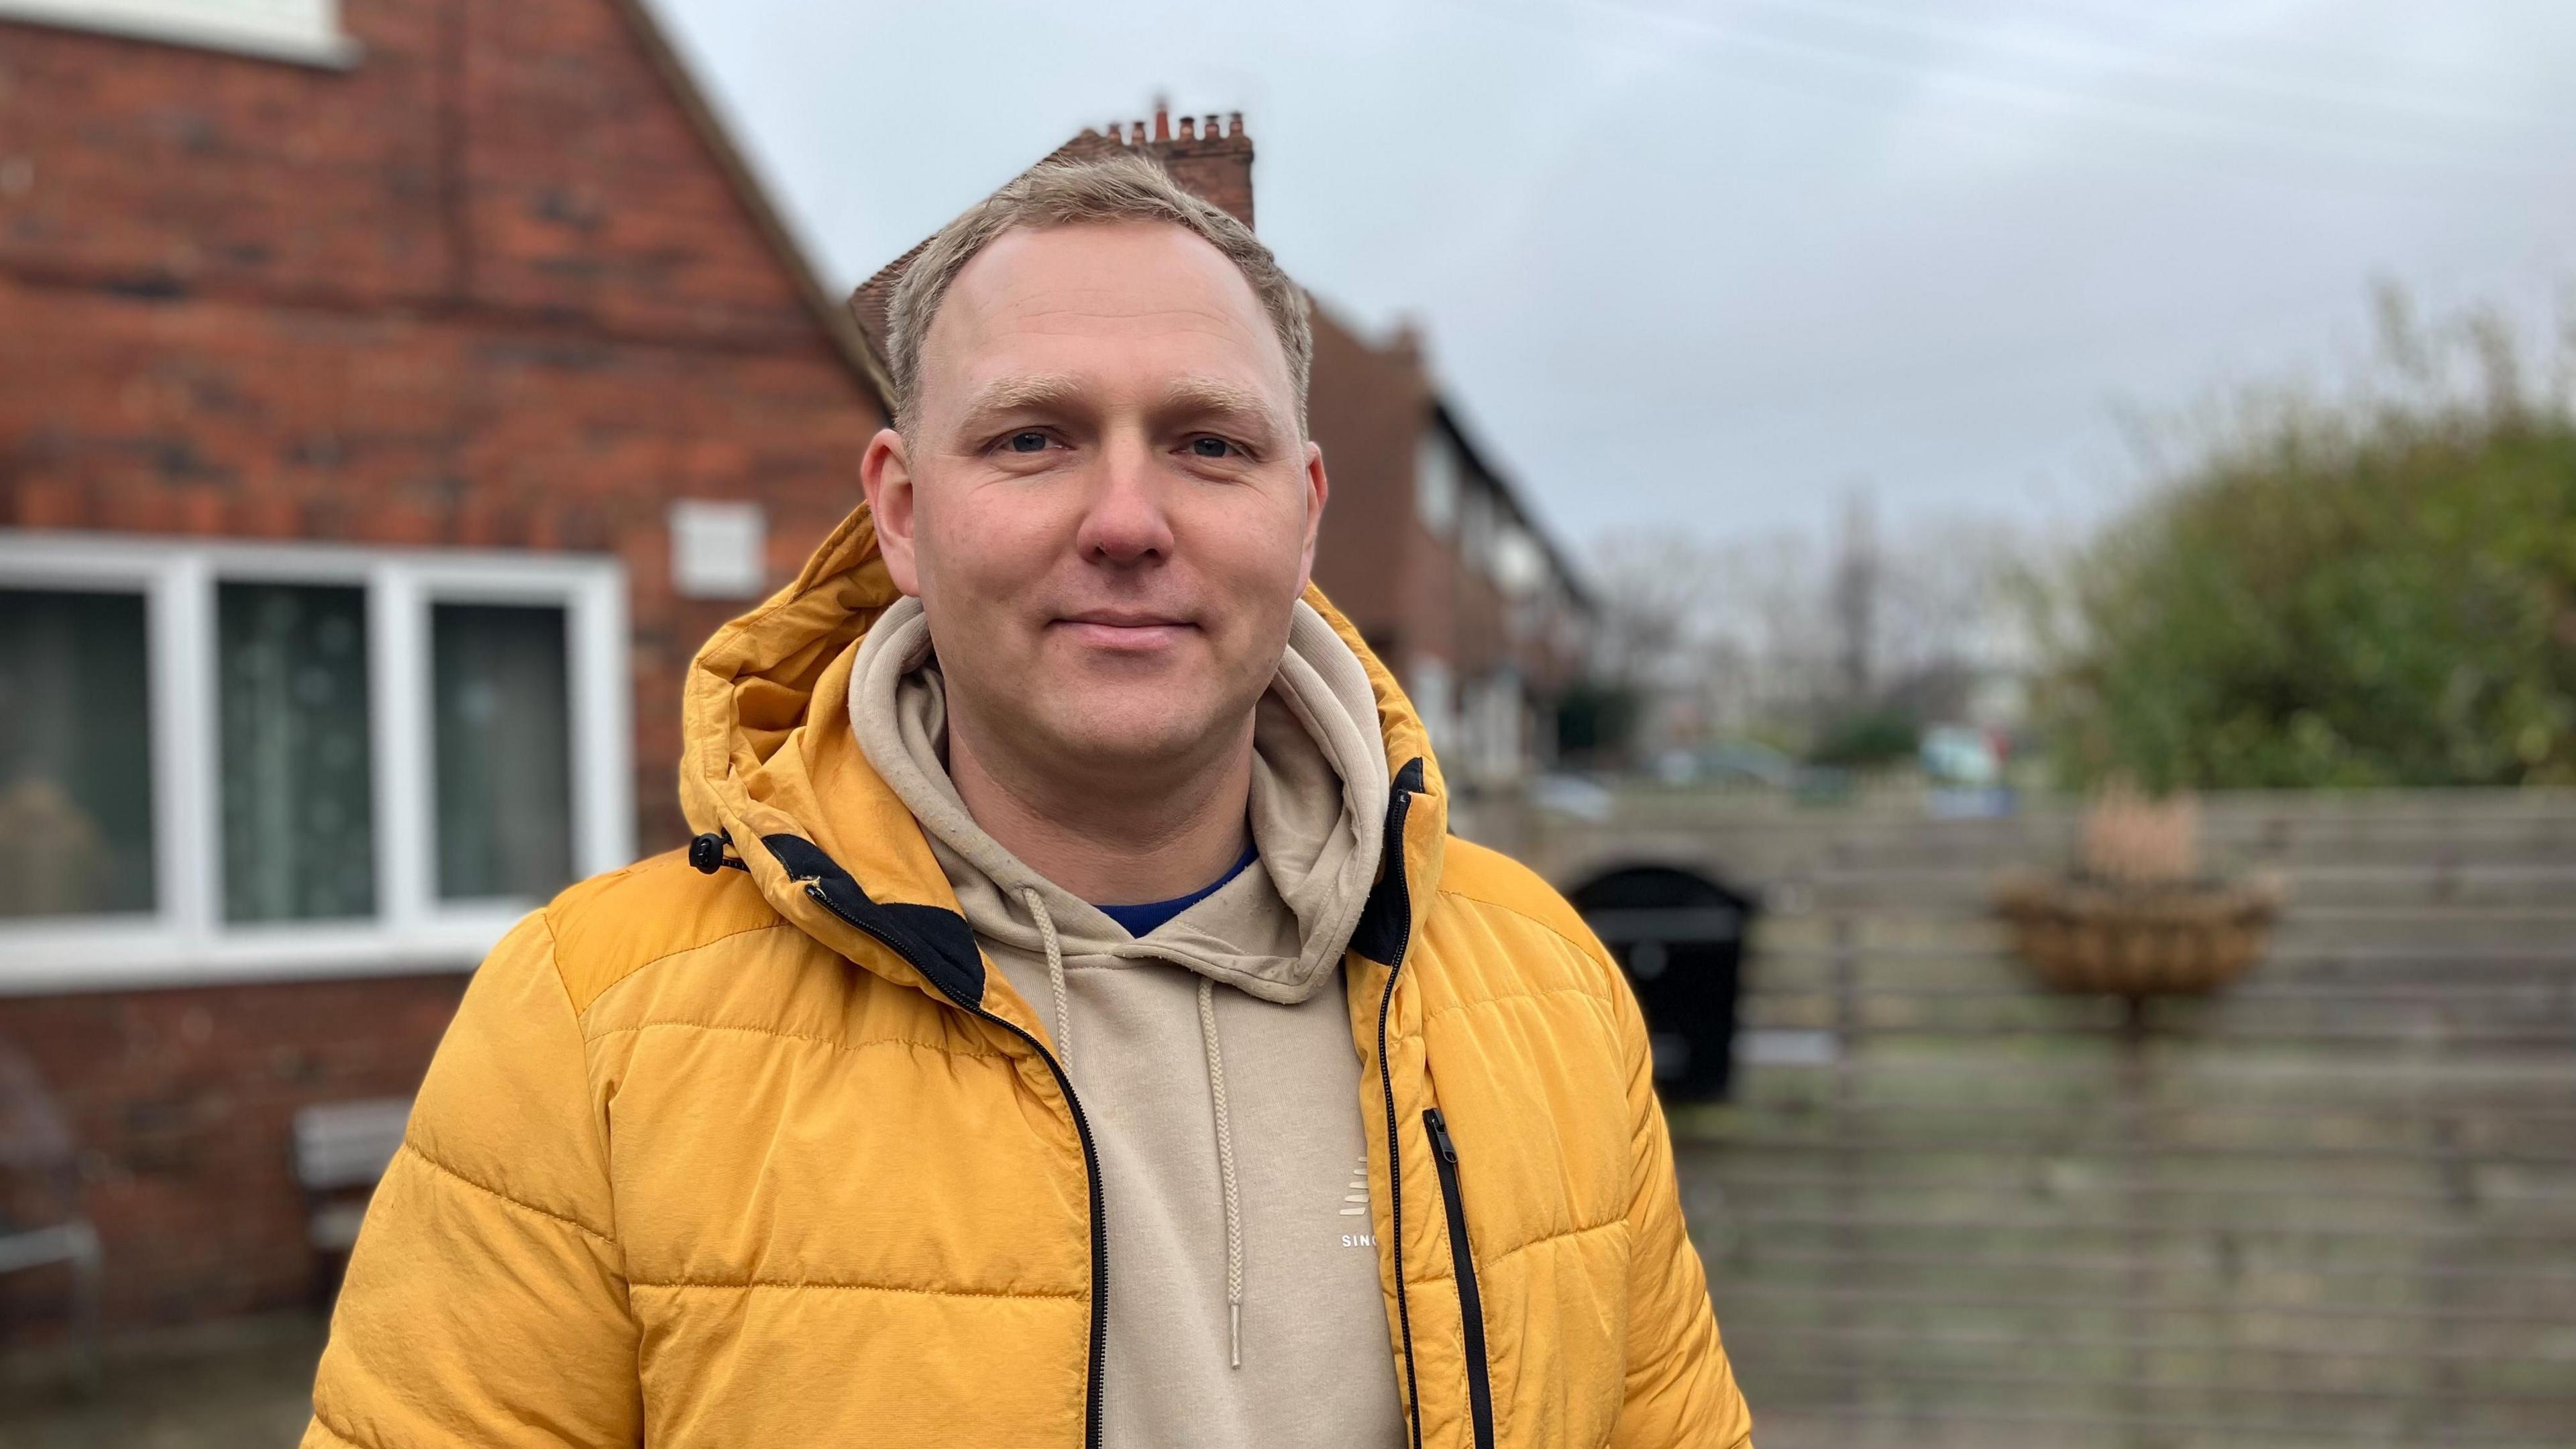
(1126, 522)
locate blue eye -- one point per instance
(1211, 447)
(1028, 442)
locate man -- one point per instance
(1076, 1027)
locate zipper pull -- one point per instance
(1433, 1123)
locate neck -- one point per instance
(1116, 836)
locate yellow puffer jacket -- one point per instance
(768, 1156)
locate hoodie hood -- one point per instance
(768, 738)
(1319, 793)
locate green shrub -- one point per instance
(1871, 737)
(2373, 595)
(1596, 722)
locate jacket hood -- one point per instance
(767, 739)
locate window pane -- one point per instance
(1435, 483)
(504, 750)
(299, 836)
(75, 755)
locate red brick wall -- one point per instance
(161, 165)
(1367, 407)
(586, 192)
(181, 1101)
(483, 155)
(487, 288)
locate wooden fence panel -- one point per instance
(2334, 1206)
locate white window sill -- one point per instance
(326, 48)
(105, 955)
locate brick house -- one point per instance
(392, 396)
(1430, 550)
(1426, 545)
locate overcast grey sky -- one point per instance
(1711, 265)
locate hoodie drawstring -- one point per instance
(1224, 1167)
(1055, 975)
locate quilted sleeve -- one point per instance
(1680, 1391)
(486, 1302)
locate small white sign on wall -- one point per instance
(718, 549)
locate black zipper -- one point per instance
(1471, 1304)
(1090, 1162)
(1393, 855)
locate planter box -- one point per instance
(2089, 935)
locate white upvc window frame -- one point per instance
(185, 940)
(305, 32)
(1439, 483)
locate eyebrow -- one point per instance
(1013, 394)
(1246, 412)
(1207, 397)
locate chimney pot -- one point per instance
(1212, 127)
(1236, 119)
(1189, 128)
(1162, 119)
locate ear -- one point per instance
(885, 472)
(1318, 489)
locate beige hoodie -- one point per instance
(1217, 1070)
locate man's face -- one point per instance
(1104, 501)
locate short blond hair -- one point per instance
(1068, 193)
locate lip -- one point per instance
(1126, 619)
(1124, 630)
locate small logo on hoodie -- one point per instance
(1355, 1205)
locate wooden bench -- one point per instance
(40, 1202)
(341, 1150)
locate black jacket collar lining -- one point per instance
(1384, 921)
(937, 941)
